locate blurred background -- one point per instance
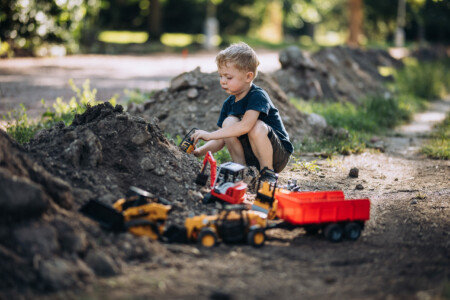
(61, 27)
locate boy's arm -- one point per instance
(213, 146)
(239, 128)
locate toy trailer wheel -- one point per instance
(352, 231)
(207, 238)
(333, 232)
(256, 237)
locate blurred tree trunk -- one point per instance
(271, 29)
(155, 19)
(400, 30)
(356, 16)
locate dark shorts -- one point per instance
(280, 155)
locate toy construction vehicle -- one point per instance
(233, 224)
(228, 186)
(187, 144)
(327, 212)
(140, 213)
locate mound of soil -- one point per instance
(46, 243)
(195, 99)
(106, 150)
(339, 73)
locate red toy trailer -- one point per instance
(328, 211)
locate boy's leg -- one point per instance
(233, 144)
(265, 142)
(261, 145)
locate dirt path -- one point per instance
(404, 252)
(28, 80)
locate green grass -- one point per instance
(414, 86)
(375, 115)
(439, 145)
(426, 80)
(22, 129)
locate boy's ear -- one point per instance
(250, 76)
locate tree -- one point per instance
(155, 19)
(30, 25)
(356, 16)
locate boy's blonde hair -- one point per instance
(241, 55)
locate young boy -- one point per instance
(250, 125)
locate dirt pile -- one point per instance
(46, 244)
(106, 150)
(195, 99)
(339, 73)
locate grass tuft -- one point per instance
(439, 145)
(22, 129)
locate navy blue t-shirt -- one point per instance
(257, 99)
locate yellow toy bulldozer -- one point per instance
(232, 224)
(139, 212)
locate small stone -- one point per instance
(359, 187)
(354, 173)
(102, 264)
(147, 164)
(192, 93)
(58, 274)
(413, 202)
(160, 171)
(194, 195)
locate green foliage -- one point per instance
(303, 165)
(137, 97)
(33, 26)
(427, 80)
(222, 156)
(439, 145)
(375, 115)
(355, 142)
(20, 128)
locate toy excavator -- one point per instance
(187, 144)
(139, 212)
(227, 186)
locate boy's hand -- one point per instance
(200, 135)
(197, 152)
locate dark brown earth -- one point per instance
(50, 251)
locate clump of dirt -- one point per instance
(339, 73)
(195, 99)
(46, 243)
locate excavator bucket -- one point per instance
(201, 179)
(104, 214)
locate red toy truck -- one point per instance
(326, 211)
(227, 186)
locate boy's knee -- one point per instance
(259, 130)
(230, 120)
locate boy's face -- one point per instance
(234, 81)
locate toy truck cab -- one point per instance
(227, 186)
